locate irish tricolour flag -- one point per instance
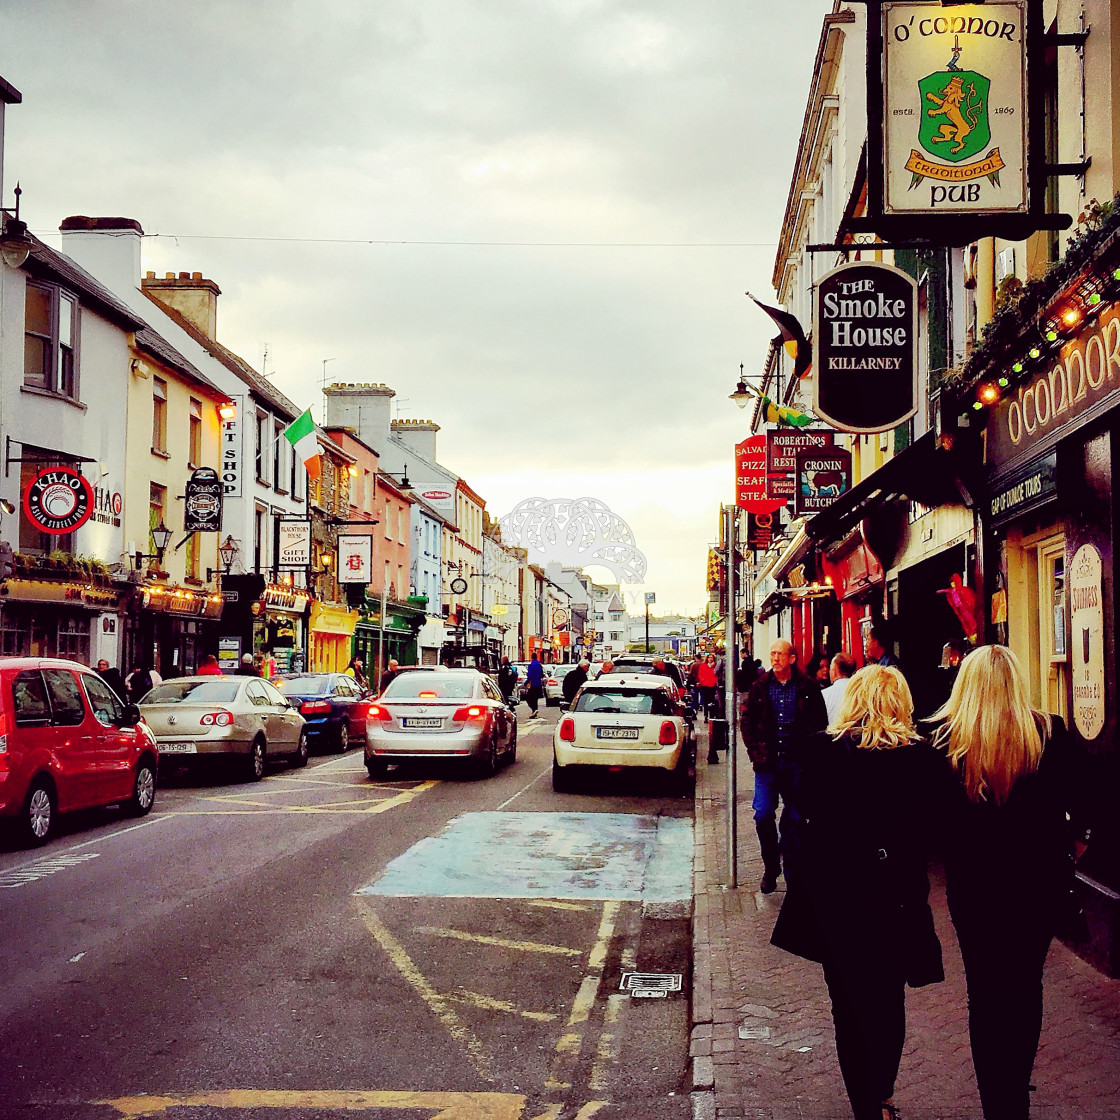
(301, 435)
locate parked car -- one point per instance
(68, 742)
(440, 713)
(624, 720)
(333, 704)
(244, 719)
(643, 663)
(554, 682)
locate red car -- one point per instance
(67, 742)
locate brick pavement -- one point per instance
(762, 1043)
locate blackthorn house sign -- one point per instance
(865, 335)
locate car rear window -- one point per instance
(29, 699)
(311, 685)
(412, 686)
(624, 701)
(195, 692)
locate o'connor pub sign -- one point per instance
(865, 332)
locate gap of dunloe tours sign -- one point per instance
(865, 337)
(955, 108)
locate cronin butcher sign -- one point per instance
(865, 336)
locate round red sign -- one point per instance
(58, 500)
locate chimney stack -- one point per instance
(190, 295)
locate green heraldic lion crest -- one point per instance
(955, 122)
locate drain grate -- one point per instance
(650, 985)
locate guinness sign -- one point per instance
(866, 339)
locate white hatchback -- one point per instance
(624, 720)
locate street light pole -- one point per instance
(730, 523)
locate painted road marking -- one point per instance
(547, 855)
(437, 1003)
(553, 904)
(241, 805)
(33, 872)
(525, 788)
(501, 942)
(606, 1054)
(486, 1003)
(446, 1106)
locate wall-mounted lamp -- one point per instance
(161, 537)
(227, 410)
(15, 243)
(742, 394)
(227, 550)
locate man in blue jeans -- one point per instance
(783, 708)
(534, 681)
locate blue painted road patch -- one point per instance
(547, 855)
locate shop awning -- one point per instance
(331, 618)
(923, 472)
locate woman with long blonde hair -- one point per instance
(857, 886)
(1010, 843)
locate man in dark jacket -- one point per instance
(111, 675)
(575, 680)
(507, 680)
(783, 708)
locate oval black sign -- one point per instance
(202, 510)
(58, 500)
(865, 339)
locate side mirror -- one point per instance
(295, 703)
(131, 716)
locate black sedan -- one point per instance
(333, 704)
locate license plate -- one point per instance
(177, 748)
(616, 732)
(414, 721)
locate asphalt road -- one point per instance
(319, 944)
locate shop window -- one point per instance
(157, 507)
(159, 415)
(73, 639)
(50, 338)
(194, 454)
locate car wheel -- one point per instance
(376, 768)
(487, 765)
(143, 789)
(511, 754)
(39, 812)
(342, 739)
(299, 759)
(561, 778)
(254, 764)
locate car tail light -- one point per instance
(428, 696)
(314, 707)
(216, 719)
(668, 734)
(568, 729)
(3, 752)
(468, 712)
(551, 680)
(379, 712)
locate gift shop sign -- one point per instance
(1087, 620)
(866, 338)
(58, 500)
(955, 108)
(293, 543)
(1084, 372)
(231, 450)
(750, 477)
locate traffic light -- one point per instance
(5, 560)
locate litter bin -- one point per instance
(717, 738)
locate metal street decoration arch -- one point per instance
(575, 533)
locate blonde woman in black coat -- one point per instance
(857, 885)
(1016, 821)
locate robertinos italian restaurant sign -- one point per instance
(865, 336)
(954, 107)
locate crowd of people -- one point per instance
(990, 785)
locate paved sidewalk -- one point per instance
(762, 1042)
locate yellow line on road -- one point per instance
(551, 1112)
(487, 1003)
(588, 1110)
(452, 1106)
(265, 808)
(501, 942)
(436, 1003)
(606, 1056)
(553, 904)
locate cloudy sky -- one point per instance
(534, 219)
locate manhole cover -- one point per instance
(650, 985)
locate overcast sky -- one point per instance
(534, 219)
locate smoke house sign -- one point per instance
(865, 335)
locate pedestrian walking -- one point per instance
(534, 679)
(209, 667)
(707, 683)
(357, 670)
(575, 680)
(857, 889)
(139, 683)
(840, 672)
(1017, 823)
(392, 671)
(783, 709)
(818, 669)
(248, 666)
(111, 675)
(507, 680)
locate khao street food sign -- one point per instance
(954, 107)
(865, 334)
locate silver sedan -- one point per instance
(247, 718)
(441, 713)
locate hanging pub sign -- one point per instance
(293, 542)
(750, 477)
(782, 448)
(355, 558)
(58, 500)
(822, 476)
(760, 531)
(866, 333)
(202, 506)
(955, 108)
